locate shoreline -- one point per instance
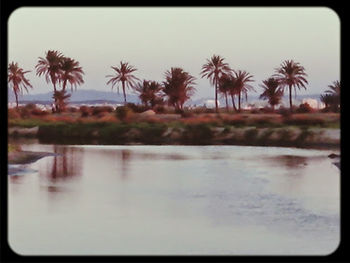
(26, 157)
(199, 134)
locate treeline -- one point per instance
(178, 86)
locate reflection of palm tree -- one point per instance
(271, 92)
(213, 70)
(17, 80)
(125, 158)
(123, 75)
(61, 167)
(291, 74)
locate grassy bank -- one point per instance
(176, 132)
(188, 128)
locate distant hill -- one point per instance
(95, 97)
(78, 96)
(254, 99)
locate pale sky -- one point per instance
(155, 39)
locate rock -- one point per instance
(147, 113)
(333, 155)
(23, 131)
(133, 133)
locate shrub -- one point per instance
(13, 114)
(101, 109)
(123, 113)
(267, 109)
(72, 109)
(250, 135)
(159, 109)
(137, 108)
(38, 112)
(236, 121)
(303, 120)
(85, 111)
(30, 106)
(255, 110)
(285, 112)
(199, 134)
(186, 114)
(304, 108)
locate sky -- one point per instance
(155, 39)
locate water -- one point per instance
(170, 200)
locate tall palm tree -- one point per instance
(334, 88)
(178, 86)
(150, 92)
(226, 87)
(71, 72)
(242, 79)
(123, 75)
(328, 100)
(17, 80)
(50, 66)
(213, 70)
(331, 98)
(291, 74)
(272, 92)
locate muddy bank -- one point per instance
(26, 157)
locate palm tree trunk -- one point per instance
(54, 91)
(123, 84)
(16, 99)
(233, 102)
(226, 101)
(290, 98)
(239, 101)
(216, 97)
(64, 85)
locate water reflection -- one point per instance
(65, 165)
(125, 161)
(292, 161)
(169, 200)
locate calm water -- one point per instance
(236, 200)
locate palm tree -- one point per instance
(328, 100)
(331, 98)
(227, 87)
(150, 92)
(123, 75)
(61, 98)
(50, 66)
(272, 92)
(241, 85)
(178, 86)
(334, 88)
(335, 92)
(17, 80)
(291, 74)
(213, 70)
(70, 72)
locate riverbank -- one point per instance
(175, 133)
